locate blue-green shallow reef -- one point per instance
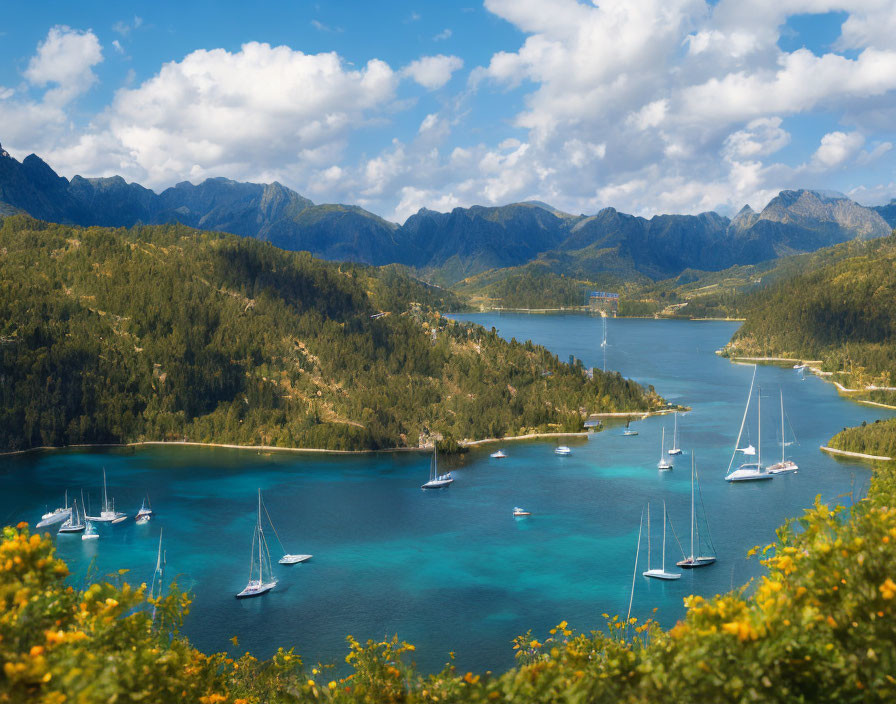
(453, 570)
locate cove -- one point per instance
(453, 570)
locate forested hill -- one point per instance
(843, 312)
(165, 332)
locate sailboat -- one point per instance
(74, 523)
(90, 533)
(628, 432)
(287, 559)
(436, 480)
(145, 512)
(785, 466)
(660, 573)
(55, 516)
(675, 449)
(259, 585)
(749, 471)
(664, 464)
(108, 514)
(695, 559)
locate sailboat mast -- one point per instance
(648, 536)
(663, 443)
(693, 515)
(759, 422)
(105, 494)
(664, 536)
(782, 424)
(258, 528)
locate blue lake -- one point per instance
(453, 570)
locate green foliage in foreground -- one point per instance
(817, 628)
(165, 333)
(877, 438)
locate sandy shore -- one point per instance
(847, 453)
(530, 436)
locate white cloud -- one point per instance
(761, 137)
(260, 110)
(650, 115)
(867, 157)
(117, 46)
(433, 72)
(443, 35)
(836, 149)
(66, 58)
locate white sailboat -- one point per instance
(90, 533)
(74, 523)
(749, 471)
(660, 573)
(664, 464)
(287, 559)
(695, 559)
(436, 480)
(675, 449)
(785, 466)
(55, 516)
(108, 514)
(145, 513)
(260, 560)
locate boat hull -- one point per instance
(438, 484)
(71, 529)
(630, 433)
(675, 451)
(660, 574)
(252, 590)
(107, 517)
(754, 477)
(293, 559)
(54, 518)
(664, 466)
(696, 562)
(787, 467)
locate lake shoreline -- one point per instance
(857, 455)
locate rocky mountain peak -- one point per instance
(3, 153)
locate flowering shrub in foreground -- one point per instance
(820, 626)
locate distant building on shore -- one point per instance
(604, 302)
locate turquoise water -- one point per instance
(453, 570)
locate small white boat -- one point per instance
(436, 480)
(74, 523)
(56, 515)
(749, 471)
(785, 466)
(499, 455)
(660, 573)
(695, 559)
(260, 584)
(517, 512)
(108, 514)
(628, 432)
(90, 533)
(562, 450)
(675, 449)
(288, 558)
(800, 366)
(145, 513)
(664, 464)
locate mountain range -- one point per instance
(449, 247)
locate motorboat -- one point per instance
(518, 512)
(499, 455)
(562, 450)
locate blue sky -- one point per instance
(645, 105)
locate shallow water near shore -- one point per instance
(453, 570)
